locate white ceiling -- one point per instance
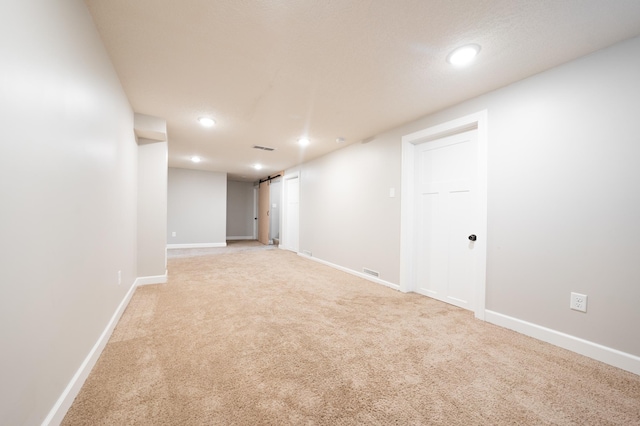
(272, 71)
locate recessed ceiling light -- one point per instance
(339, 140)
(206, 121)
(463, 55)
(195, 159)
(257, 166)
(304, 141)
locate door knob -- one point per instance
(473, 237)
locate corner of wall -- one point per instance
(64, 402)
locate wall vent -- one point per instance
(371, 272)
(306, 253)
(264, 148)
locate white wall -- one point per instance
(240, 210)
(346, 215)
(152, 209)
(563, 198)
(68, 189)
(196, 207)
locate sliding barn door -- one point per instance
(263, 213)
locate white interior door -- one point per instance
(291, 213)
(255, 212)
(446, 203)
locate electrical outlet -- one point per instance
(173, 234)
(578, 302)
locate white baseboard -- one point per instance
(352, 272)
(197, 245)
(593, 350)
(250, 237)
(154, 279)
(62, 405)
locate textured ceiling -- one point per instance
(271, 71)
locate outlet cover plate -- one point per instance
(578, 302)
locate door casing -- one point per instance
(477, 121)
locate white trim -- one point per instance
(352, 272)
(62, 405)
(477, 121)
(593, 350)
(248, 237)
(198, 245)
(155, 279)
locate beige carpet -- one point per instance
(265, 337)
(232, 247)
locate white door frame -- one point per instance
(477, 121)
(255, 212)
(285, 243)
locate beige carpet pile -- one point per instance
(265, 337)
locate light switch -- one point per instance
(392, 193)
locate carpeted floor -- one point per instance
(265, 337)
(232, 247)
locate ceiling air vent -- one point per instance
(264, 148)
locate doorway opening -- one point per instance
(275, 197)
(291, 212)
